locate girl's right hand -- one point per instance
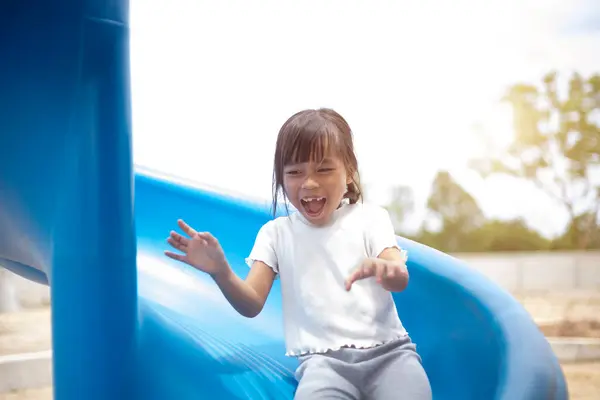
(201, 250)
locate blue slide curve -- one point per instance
(127, 322)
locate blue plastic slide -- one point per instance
(130, 324)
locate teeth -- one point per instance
(307, 199)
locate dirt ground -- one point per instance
(583, 380)
(26, 331)
(578, 313)
(568, 328)
(552, 307)
(30, 394)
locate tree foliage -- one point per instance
(463, 226)
(401, 205)
(456, 210)
(556, 145)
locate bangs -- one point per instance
(310, 143)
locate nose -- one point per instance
(309, 183)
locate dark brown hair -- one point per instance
(311, 135)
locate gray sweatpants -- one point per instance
(390, 371)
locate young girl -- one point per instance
(338, 261)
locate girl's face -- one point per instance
(316, 189)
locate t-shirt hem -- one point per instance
(322, 350)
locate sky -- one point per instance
(212, 82)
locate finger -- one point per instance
(351, 279)
(380, 271)
(175, 256)
(179, 238)
(178, 245)
(210, 239)
(369, 268)
(391, 272)
(186, 228)
(365, 271)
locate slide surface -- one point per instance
(130, 324)
(475, 340)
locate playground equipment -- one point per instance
(130, 324)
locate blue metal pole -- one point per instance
(93, 277)
(66, 183)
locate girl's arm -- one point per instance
(389, 268)
(248, 296)
(202, 251)
(395, 274)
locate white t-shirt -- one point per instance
(313, 264)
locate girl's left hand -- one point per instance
(386, 272)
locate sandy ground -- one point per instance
(583, 380)
(26, 331)
(30, 394)
(565, 314)
(546, 307)
(29, 330)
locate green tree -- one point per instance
(402, 204)
(556, 146)
(583, 223)
(512, 235)
(458, 213)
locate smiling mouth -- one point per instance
(313, 206)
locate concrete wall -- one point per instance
(539, 272)
(516, 272)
